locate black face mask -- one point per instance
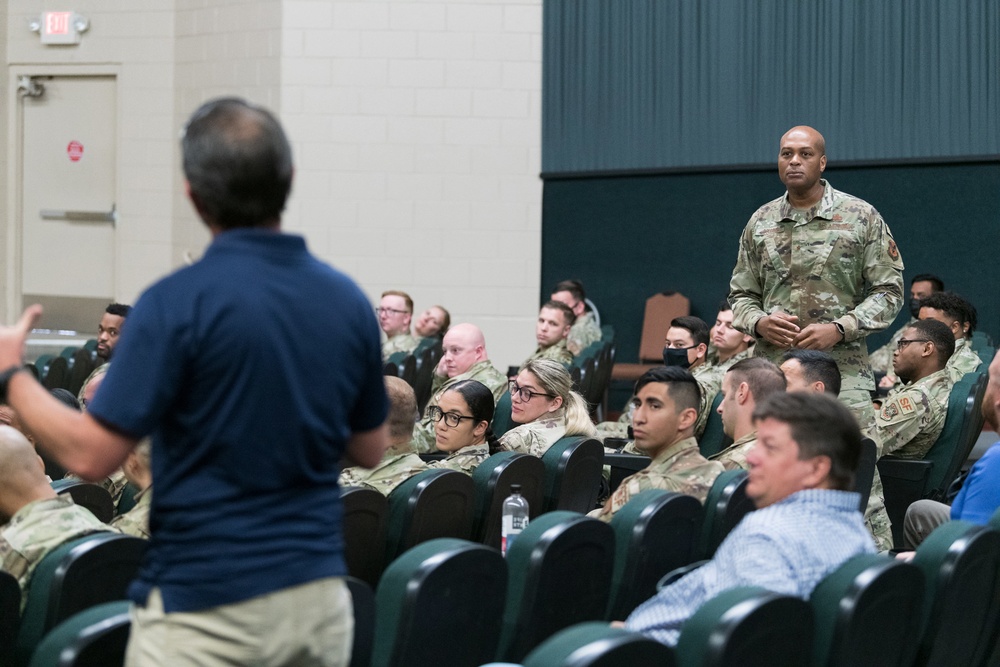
(915, 308)
(673, 356)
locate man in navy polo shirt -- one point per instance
(255, 370)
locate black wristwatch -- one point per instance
(840, 328)
(5, 377)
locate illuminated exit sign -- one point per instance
(61, 27)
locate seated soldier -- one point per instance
(585, 330)
(464, 358)
(960, 316)
(462, 428)
(745, 384)
(979, 498)
(806, 524)
(921, 286)
(137, 469)
(399, 462)
(815, 371)
(666, 401)
(395, 311)
(35, 519)
(728, 345)
(551, 329)
(433, 323)
(912, 416)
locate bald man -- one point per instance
(37, 520)
(817, 269)
(464, 358)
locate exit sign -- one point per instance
(59, 28)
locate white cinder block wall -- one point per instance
(417, 131)
(415, 124)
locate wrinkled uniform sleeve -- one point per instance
(745, 287)
(883, 275)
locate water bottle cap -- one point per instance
(515, 488)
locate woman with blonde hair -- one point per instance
(543, 402)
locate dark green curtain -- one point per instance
(663, 84)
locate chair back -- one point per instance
(366, 515)
(962, 427)
(96, 636)
(93, 497)
(573, 470)
(57, 375)
(865, 474)
(869, 606)
(654, 534)
(750, 627)
(599, 645)
(501, 416)
(660, 310)
(624, 465)
(961, 563)
(440, 603)
(560, 574)
(75, 576)
(81, 366)
(435, 503)
(363, 599)
(10, 616)
(713, 439)
(428, 353)
(725, 506)
(492, 479)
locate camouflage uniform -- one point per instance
(536, 437)
(114, 484)
(483, 371)
(464, 460)
(583, 332)
(403, 342)
(912, 416)
(555, 352)
(391, 471)
(680, 468)
(38, 528)
(836, 262)
(136, 521)
(734, 457)
(881, 359)
(876, 516)
(963, 361)
(103, 368)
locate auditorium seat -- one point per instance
(713, 440)
(492, 480)
(366, 516)
(573, 466)
(560, 575)
(10, 616)
(363, 600)
(599, 645)
(434, 503)
(93, 497)
(96, 637)
(440, 603)
(725, 506)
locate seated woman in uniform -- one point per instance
(462, 425)
(433, 323)
(542, 400)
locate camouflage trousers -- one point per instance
(859, 402)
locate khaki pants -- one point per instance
(922, 517)
(311, 624)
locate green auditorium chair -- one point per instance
(865, 474)
(406, 366)
(96, 637)
(492, 480)
(867, 610)
(747, 627)
(624, 465)
(714, 439)
(573, 469)
(77, 575)
(363, 601)
(501, 416)
(599, 645)
(93, 497)
(435, 503)
(440, 603)
(427, 354)
(654, 534)
(560, 575)
(57, 374)
(961, 563)
(10, 616)
(725, 506)
(366, 515)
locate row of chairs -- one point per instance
(417, 368)
(67, 370)
(591, 372)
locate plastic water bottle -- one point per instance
(514, 517)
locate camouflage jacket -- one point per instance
(399, 343)
(881, 359)
(912, 416)
(709, 381)
(734, 457)
(535, 437)
(464, 460)
(717, 369)
(391, 471)
(583, 332)
(136, 521)
(680, 468)
(962, 361)
(836, 262)
(38, 528)
(555, 352)
(482, 371)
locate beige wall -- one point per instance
(415, 126)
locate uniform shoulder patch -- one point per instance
(893, 250)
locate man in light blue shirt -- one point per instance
(806, 524)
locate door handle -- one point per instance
(81, 216)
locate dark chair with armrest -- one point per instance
(435, 503)
(573, 468)
(624, 465)
(492, 480)
(599, 645)
(95, 637)
(10, 616)
(93, 497)
(725, 506)
(865, 475)
(714, 439)
(366, 516)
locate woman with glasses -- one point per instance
(543, 402)
(462, 425)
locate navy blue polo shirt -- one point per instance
(251, 369)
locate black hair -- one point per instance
(817, 366)
(953, 306)
(936, 283)
(481, 404)
(681, 385)
(696, 325)
(574, 287)
(940, 335)
(763, 377)
(66, 397)
(118, 309)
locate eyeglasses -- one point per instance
(393, 311)
(903, 342)
(524, 394)
(452, 419)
